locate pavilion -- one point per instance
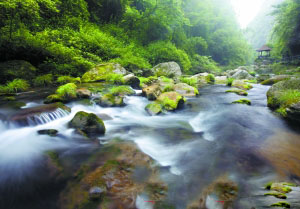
(263, 49)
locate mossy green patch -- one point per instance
(276, 194)
(43, 80)
(238, 92)
(210, 78)
(68, 79)
(17, 85)
(242, 101)
(190, 81)
(229, 81)
(122, 90)
(53, 98)
(282, 204)
(67, 91)
(154, 108)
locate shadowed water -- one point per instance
(206, 140)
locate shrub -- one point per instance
(67, 91)
(229, 81)
(210, 78)
(68, 79)
(17, 85)
(43, 80)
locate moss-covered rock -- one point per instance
(132, 81)
(238, 92)
(11, 70)
(88, 123)
(53, 98)
(221, 80)
(284, 97)
(242, 101)
(282, 204)
(171, 100)
(64, 94)
(100, 72)
(168, 69)
(49, 132)
(280, 187)
(276, 194)
(110, 100)
(275, 79)
(186, 90)
(154, 108)
(210, 79)
(121, 91)
(240, 84)
(152, 92)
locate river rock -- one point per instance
(88, 123)
(238, 92)
(49, 132)
(96, 193)
(263, 77)
(110, 100)
(132, 81)
(16, 69)
(275, 79)
(221, 79)
(242, 74)
(293, 112)
(242, 101)
(83, 93)
(152, 92)
(28, 116)
(100, 72)
(154, 108)
(171, 100)
(168, 69)
(241, 85)
(186, 90)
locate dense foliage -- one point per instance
(67, 37)
(286, 32)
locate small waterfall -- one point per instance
(47, 117)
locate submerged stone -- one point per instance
(96, 193)
(242, 101)
(282, 204)
(238, 92)
(49, 132)
(154, 108)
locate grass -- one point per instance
(190, 81)
(68, 79)
(210, 78)
(229, 81)
(114, 78)
(43, 80)
(17, 85)
(168, 87)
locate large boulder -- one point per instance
(110, 100)
(186, 90)
(284, 97)
(275, 79)
(152, 92)
(40, 114)
(242, 74)
(83, 93)
(100, 72)
(168, 69)
(241, 85)
(88, 124)
(132, 81)
(16, 69)
(171, 100)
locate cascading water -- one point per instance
(46, 117)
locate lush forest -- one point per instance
(286, 32)
(68, 37)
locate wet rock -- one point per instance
(104, 116)
(275, 79)
(13, 69)
(282, 204)
(152, 92)
(242, 101)
(186, 90)
(154, 108)
(276, 194)
(132, 81)
(54, 98)
(100, 72)
(293, 112)
(242, 74)
(168, 69)
(171, 101)
(88, 123)
(28, 115)
(96, 193)
(83, 93)
(49, 132)
(241, 85)
(238, 92)
(110, 100)
(221, 79)
(263, 77)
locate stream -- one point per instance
(208, 139)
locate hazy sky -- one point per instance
(246, 10)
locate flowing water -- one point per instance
(208, 139)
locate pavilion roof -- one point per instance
(264, 48)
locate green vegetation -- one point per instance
(67, 90)
(15, 86)
(238, 92)
(67, 79)
(285, 99)
(210, 78)
(276, 194)
(122, 90)
(229, 81)
(43, 80)
(114, 78)
(63, 37)
(168, 87)
(190, 81)
(242, 101)
(282, 204)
